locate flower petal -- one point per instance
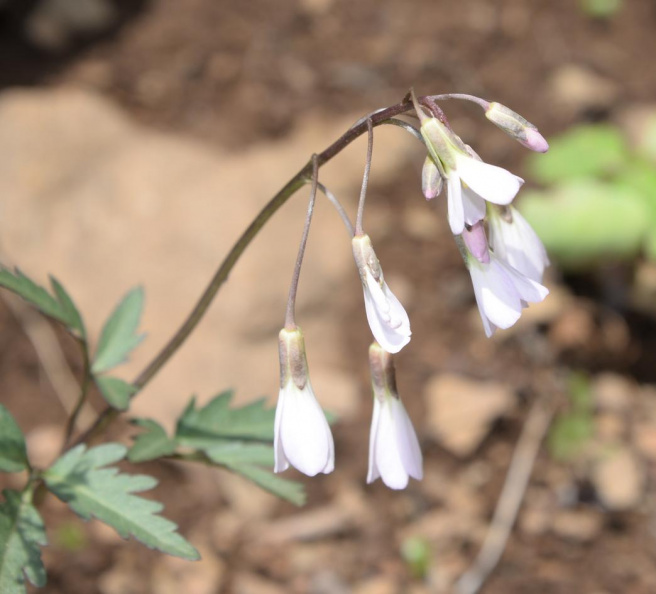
(495, 293)
(386, 451)
(280, 460)
(406, 440)
(305, 435)
(456, 211)
(529, 290)
(473, 205)
(387, 318)
(490, 182)
(372, 473)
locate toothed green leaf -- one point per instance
(115, 391)
(286, 489)
(119, 335)
(80, 478)
(60, 307)
(202, 426)
(13, 455)
(152, 443)
(21, 534)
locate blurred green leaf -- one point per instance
(152, 443)
(235, 453)
(115, 391)
(119, 335)
(79, 479)
(569, 434)
(283, 488)
(595, 150)
(583, 221)
(13, 454)
(21, 534)
(200, 427)
(575, 427)
(416, 552)
(60, 308)
(601, 9)
(68, 307)
(70, 536)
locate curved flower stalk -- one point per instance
(387, 318)
(501, 291)
(302, 436)
(470, 182)
(394, 453)
(515, 242)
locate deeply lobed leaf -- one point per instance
(13, 454)
(21, 534)
(80, 479)
(60, 307)
(118, 337)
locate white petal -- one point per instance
(280, 460)
(305, 435)
(406, 440)
(529, 290)
(492, 183)
(517, 244)
(473, 205)
(456, 211)
(372, 473)
(496, 294)
(386, 451)
(387, 318)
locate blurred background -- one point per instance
(139, 137)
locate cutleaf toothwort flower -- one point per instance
(470, 182)
(387, 318)
(302, 436)
(501, 291)
(394, 453)
(515, 242)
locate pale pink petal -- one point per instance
(528, 289)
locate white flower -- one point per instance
(302, 436)
(387, 318)
(501, 291)
(515, 242)
(470, 181)
(394, 453)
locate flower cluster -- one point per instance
(506, 261)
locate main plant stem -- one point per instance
(377, 118)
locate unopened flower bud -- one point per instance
(517, 127)
(394, 453)
(431, 179)
(302, 436)
(476, 242)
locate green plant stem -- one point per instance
(300, 179)
(84, 390)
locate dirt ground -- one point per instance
(236, 74)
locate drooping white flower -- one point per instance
(302, 436)
(470, 181)
(501, 291)
(394, 453)
(515, 242)
(387, 318)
